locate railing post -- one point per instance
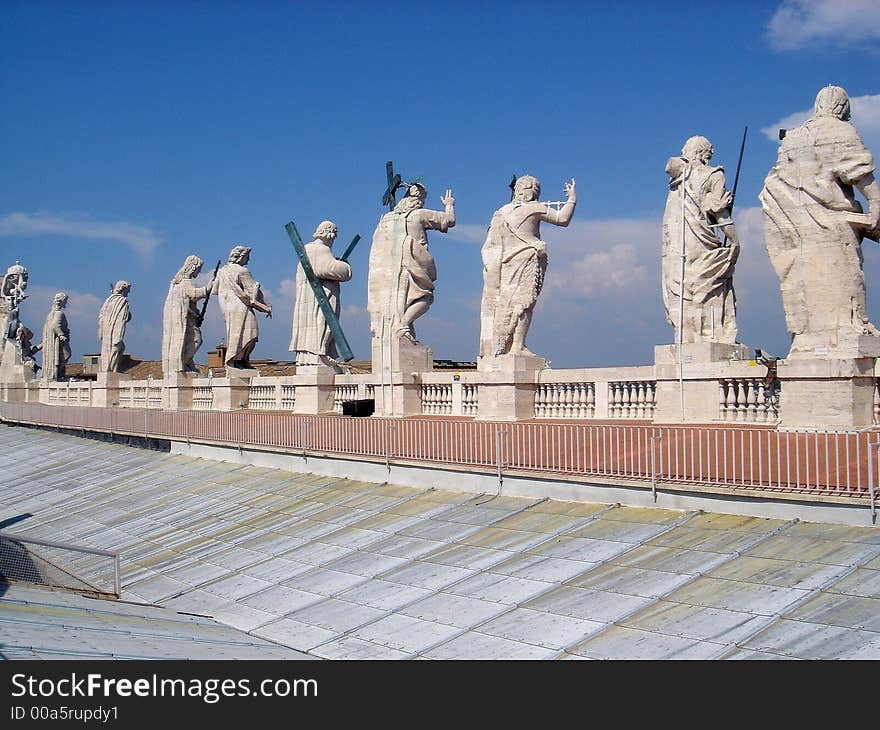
(871, 481)
(654, 438)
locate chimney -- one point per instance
(217, 356)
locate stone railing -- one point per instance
(436, 399)
(748, 400)
(345, 392)
(469, 395)
(565, 400)
(632, 399)
(715, 392)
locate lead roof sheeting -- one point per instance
(347, 568)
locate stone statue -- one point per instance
(181, 336)
(239, 295)
(11, 295)
(814, 226)
(514, 263)
(311, 339)
(400, 286)
(711, 248)
(56, 340)
(115, 314)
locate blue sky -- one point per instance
(137, 133)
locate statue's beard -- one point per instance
(409, 203)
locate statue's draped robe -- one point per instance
(514, 264)
(814, 249)
(55, 352)
(402, 269)
(181, 338)
(709, 297)
(311, 336)
(115, 314)
(236, 291)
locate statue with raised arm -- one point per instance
(114, 316)
(514, 264)
(12, 294)
(814, 226)
(400, 286)
(56, 340)
(181, 336)
(711, 248)
(311, 338)
(239, 295)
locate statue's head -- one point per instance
(16, 277)
(190, 269)
(832, 101)
(416, 195)
(60, 300)
(526, 188)
(698, 149)
(122, 287)
(240, 255)
(326, 231)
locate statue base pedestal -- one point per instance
(315, 389)
(827, 393)
(106, 391)
(507, 387)
(12, 370)
(836, 345)
(695, 398)
(177, 394)
(398, 364)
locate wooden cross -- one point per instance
(394, 182)
(318, 289)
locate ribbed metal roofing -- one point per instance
(338, 568)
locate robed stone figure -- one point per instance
(311, 337)
(56, 340)
(400, 285)
(239, 296)
(181, 336)
(114, 316)
(814, 226)
(708, 313)
(514, 264)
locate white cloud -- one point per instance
(604, 258)
(469, 232)
(865, 117)
(799, 23)
(139, 238)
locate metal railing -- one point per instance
(59, 564)
(750, 457)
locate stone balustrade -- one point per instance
(744, 393)
(632, 399)
(748, 400)
(565, 400)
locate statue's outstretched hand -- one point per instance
(447, 199)
(570, 191)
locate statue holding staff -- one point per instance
(181, 336)
(239, 296)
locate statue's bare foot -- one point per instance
(523, 351)
(870, 329)
(409, 336)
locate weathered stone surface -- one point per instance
(402, 270)
(311, 337)
(56, 340)
(699, 203)
(12, 294)
(181, 335)
(514, 263)
(813, 229)
(115, 314)
(239, 295)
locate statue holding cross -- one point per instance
(313, 338)
(402, 271)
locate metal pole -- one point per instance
(681, 301)
(654, 467)
(116, 586)
(871, 482)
